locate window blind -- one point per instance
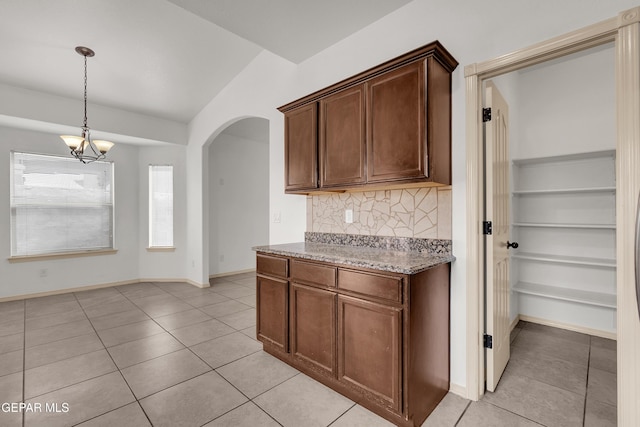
(160, 206)
(59, 204)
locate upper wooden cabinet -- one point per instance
(342, 138)
(301, 148)
(389, 126)
(396, 124)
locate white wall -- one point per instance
(50, 275)
(255, 92)
(471, 31)
(58, 113)
(239, 202)
(567, 106)
(132, 261)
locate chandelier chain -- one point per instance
(85, 91)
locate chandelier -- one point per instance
(83, 147)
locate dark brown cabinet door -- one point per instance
(313, 327)
(396, 140)
(273, 312)
(342, 138)
(369, 349)
(300, 148)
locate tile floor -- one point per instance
(170, 354)
(554, 378)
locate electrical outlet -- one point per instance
(222, 257)
(277, 217)
(348, 216)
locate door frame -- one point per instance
(624, 32)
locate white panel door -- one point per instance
(497, 211)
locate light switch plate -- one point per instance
(348, 216)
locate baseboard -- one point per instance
(570, 327)
(100, 286)
(458, 389)
(514, 323)
(198, 285)
(68, 290)
(232, 273)
(189, 281)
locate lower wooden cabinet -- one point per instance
(313, 326)
(273, 317)
(370, 349)
(379, 338)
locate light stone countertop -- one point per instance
(406, 262)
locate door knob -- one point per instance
(513, 245)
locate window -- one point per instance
(160, 206)
(60, 205)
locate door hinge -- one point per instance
(487, 227)
(486, 114)
(488, 341)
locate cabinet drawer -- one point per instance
(374, 285)
(313, 274)
(272, 266)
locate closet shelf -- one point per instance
(557, 225)
(561, 203)
(562, 259)
(567, 294)
(604, 154)
(587, 190)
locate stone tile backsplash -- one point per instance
(411, 212)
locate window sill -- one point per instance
(161, 249)
(44, 257)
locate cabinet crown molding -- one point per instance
(433, 49)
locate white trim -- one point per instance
(161, 249)
(198, 285)
(628, 187)
(232, 273)
(568, 327)
(475, 246)
(624, 30)
(575, 41)
(68, 290)
(458, 389)
(120, 283)
(100, 286)
(169, 280)
(514, 323)
(60, 255)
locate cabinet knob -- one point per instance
(513, 245)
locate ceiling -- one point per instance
(164, 58)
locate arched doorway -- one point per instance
(238, 182)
